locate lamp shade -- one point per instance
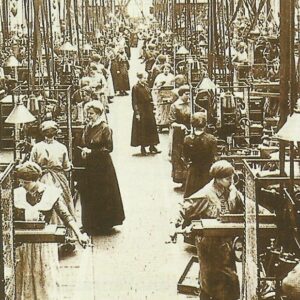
(182, 51)
(87, 47)
(207, 84)
(290, 130)
(68, 47)
(19, 115)
(11, 62)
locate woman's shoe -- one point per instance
(180, 188)
(154, 150)
(143, 151)
(66, 249)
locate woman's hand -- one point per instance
(85, 151)
(184, 128)
(83, 239)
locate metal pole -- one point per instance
(292, 170)
(286, 59)
(52, 42)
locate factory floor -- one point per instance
(134, 262)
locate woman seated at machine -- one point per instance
(38, 266)
(218, 277)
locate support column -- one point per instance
(287, 60)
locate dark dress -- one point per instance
(156, 69)
(200, 150)
(102, 206)
(144, 131)
(113, 71)
(127, 48)
(180, 113)
(122, 78)
(150, 57)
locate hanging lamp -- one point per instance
(182, 51)
(207, 84)
(289, 131)
(68, 47)
(11, 62)
(87, 47)
(20, 114)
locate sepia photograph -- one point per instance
(149, 149)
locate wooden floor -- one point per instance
(134, 262)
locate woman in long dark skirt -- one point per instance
(122, 78)
(144, 131)
(102, 206)
(200, 149)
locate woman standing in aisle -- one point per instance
(144, 131)
(37, 271)
(102, 206)
(122, 82)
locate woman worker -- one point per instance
(200, 149)
(37, 273)
(52, 156)
(163, 103)
(180, 118)
(122, 82)
(144, 131)
(218, 277)
(102, 206)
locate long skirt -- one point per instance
(37, 272)
(217, 276)
(197, 178)
(162, 113)
(58, 179)
(163, 100)
(179, 167)
(101, 201)
(144, 131)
